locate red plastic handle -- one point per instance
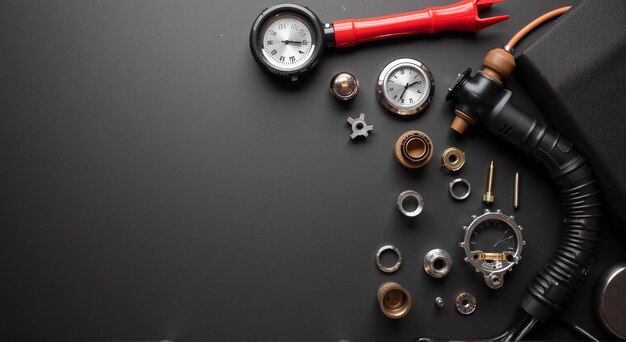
(461, 16)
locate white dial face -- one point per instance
(406, 87)
(287, 42)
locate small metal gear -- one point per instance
(359, 126)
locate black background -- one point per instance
(156, 184)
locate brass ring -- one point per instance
(413, 149)
(453, 159)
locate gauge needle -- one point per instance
(495, 244)
(291, 42)
(405, 88)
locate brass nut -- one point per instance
(394, 300)
(413, 149)
(453, 159)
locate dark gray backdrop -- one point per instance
(155, 184)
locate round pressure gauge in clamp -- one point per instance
(287, 40)
(493, 245)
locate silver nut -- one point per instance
(437, 263)
(413, 195)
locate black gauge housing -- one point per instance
(318, 36)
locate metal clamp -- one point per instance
(410, 194)
(462, 196)
(398, 263)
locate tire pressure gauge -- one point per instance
(493, 244)
(288, 40)
(405, 86)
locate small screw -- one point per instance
(488, 196)
(439, 302)
(516, 191)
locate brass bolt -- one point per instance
(516, 191)
(488, 196)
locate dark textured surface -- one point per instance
(587, 89)
(155, 184)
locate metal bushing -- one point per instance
(394, 300)
(413, 149)
(410, 194)
(344, 86)
(437, 263)
(453, 159)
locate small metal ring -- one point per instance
(413, 194)
(437, 263)
(396, 252)
(462, 196)
(453, 159)
(465, 303)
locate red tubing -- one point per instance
(461, 16)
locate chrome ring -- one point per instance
(462, 196)
(413, 194)
(396, 252)
(465, 303)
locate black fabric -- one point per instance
(576, 73)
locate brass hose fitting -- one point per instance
(413, 149)
(498, 65)
(394, 300)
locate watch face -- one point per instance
(405, 86)
(493, 236)
(287, 41)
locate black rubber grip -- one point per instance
(555, 284)
(480, 97)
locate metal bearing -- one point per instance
(413, 149)
(453, 159)
(465, 303)
(463, 195)
(437, 263)
(398, 261)
(412, 194)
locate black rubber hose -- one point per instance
(483, 99)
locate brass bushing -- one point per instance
(394, 300)
(413, 149)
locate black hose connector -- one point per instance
(483, 100)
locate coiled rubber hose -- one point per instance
(487, 102)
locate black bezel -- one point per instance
(316, 25)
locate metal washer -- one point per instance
(393, 249)
(413, 194)
(454, 183)
(465, 303)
